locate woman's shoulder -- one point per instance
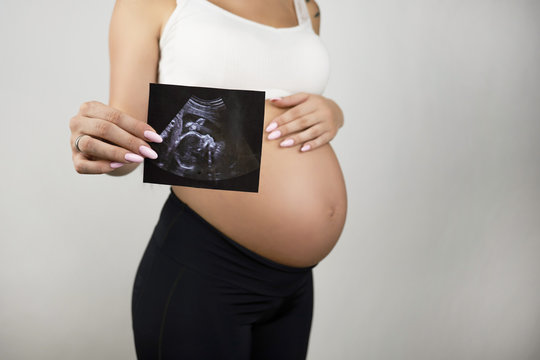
(150, 14)
(314, 13)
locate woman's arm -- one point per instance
(108, 137)
(134, 54)
(312, 120)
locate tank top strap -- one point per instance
(302, 12)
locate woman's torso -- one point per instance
(299, 212)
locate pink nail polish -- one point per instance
(272, 126)
(134, 158)
(149, 153)
(116, 165)
(287, 142)
(305, 147)
(274, 135)
(152, 136)
(275, 98)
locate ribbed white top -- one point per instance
(205, 45)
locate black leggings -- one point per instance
(200, 295)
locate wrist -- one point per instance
(339, 114)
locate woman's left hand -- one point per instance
(313, 120)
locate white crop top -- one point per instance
(203, 44)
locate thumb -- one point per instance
(290, 100)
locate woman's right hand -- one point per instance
(108, 139)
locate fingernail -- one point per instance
(274, 135)
(152, 136)
(149, 153)
(134, 158)
(287, 142)
(116, 165)
(275, 98)
(272, 126)
(305, 147)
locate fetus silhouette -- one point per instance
(200, 143)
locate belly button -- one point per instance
(332, 211)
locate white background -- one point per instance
(440, 255)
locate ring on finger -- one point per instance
(77, 142)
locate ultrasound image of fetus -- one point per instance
(201, 143)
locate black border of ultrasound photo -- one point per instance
(212, 137)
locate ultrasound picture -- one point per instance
(212, 137)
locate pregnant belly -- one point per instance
(299, 212)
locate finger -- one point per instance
(300, 137)
(95, 148)
(291, 114)
(290, 100)
(96, 109)
(105, 130)
(299, 124)
(84, 165)
(323, 139)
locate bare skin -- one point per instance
(299, 212)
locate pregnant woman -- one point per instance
(226, 274)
